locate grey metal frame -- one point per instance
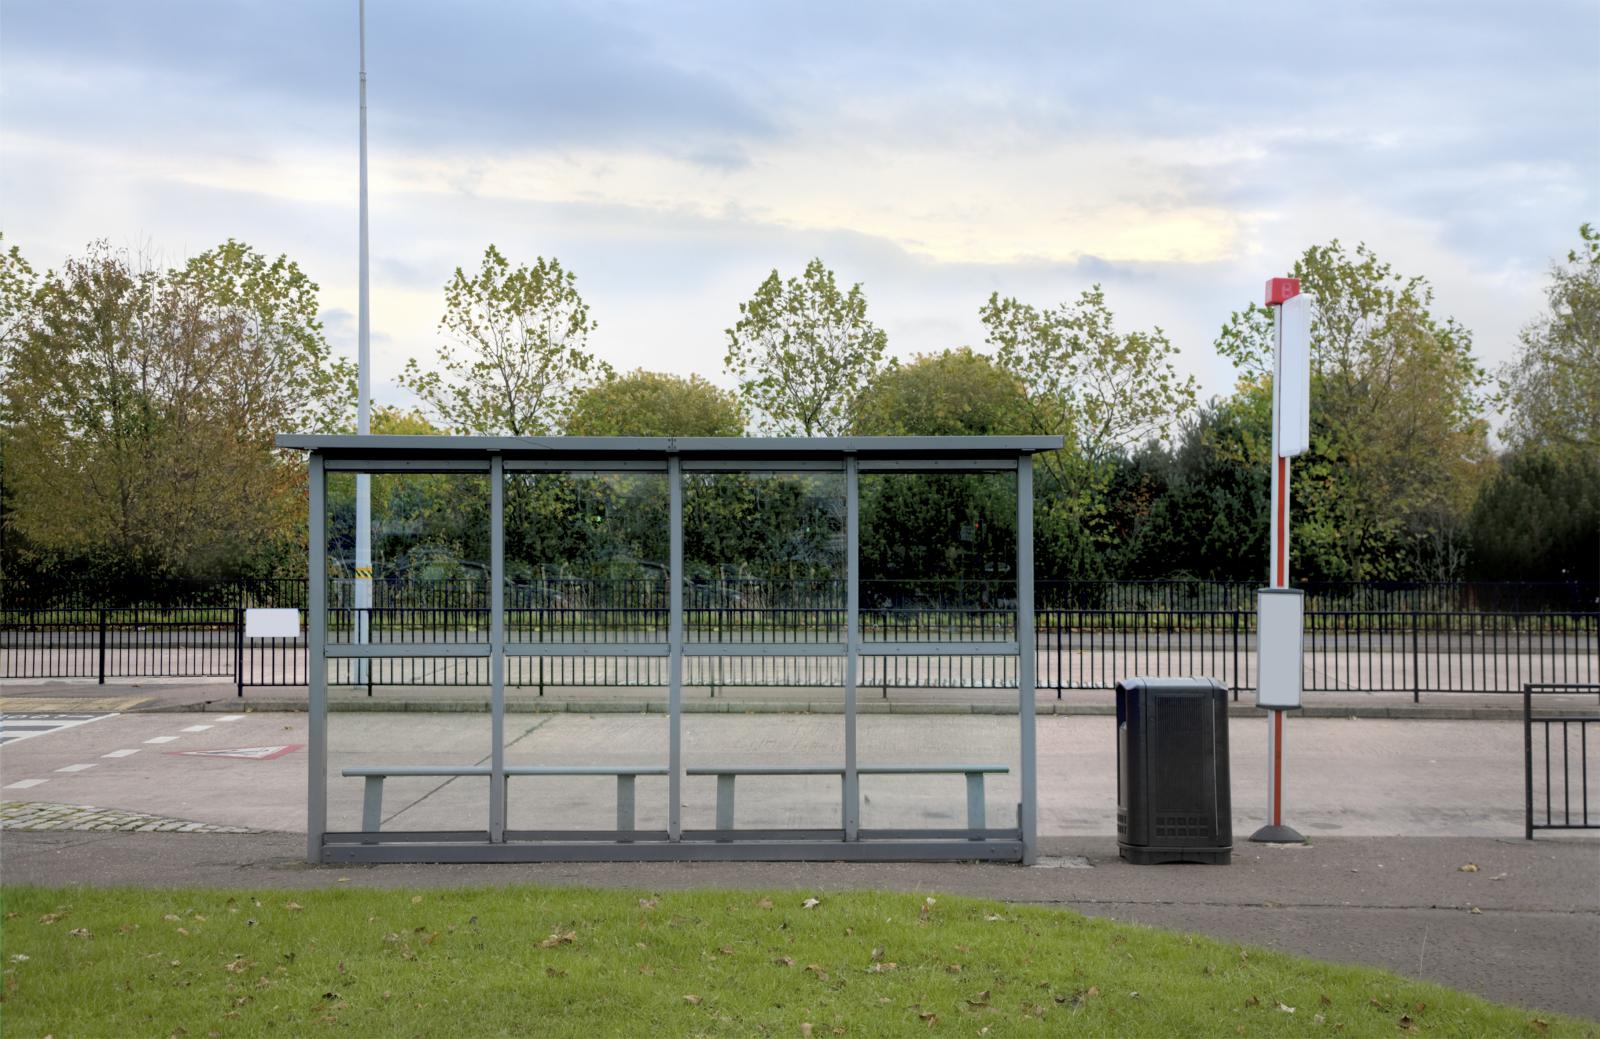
(497, 456)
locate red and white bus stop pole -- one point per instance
(1280, 609)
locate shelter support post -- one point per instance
(674, 648)
(852, 635)
(497, 649)
(316, 665)
(1026, 652)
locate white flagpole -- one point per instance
(363, 587)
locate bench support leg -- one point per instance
(372, 804)
(976, 819)
(725, 802)
(625, 803)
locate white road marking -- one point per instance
(121, 753)
(195, 728)
(230, 717)
(23, 784)
(76, 768)
(14, 727)
(161, 739)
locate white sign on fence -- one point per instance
(1280, 614)
(271, 624)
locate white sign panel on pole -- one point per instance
(1293, 376)
(271, 624)
(1280, 615)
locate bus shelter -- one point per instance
(499, 459)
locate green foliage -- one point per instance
(654, 404)
(802, 350)
(515, 352)
(1539, 518)
(1552, 388)
(954, 393)
(1104, 391)
(1398, 444)
(140, 406)
(1200, 510)
(919, 527)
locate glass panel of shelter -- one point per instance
(422, 620)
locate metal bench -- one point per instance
(726, 774)
(372, 796)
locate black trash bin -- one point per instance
(1173, 792)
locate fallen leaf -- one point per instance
(726, 950)
(693, 1001)
(787, 961)
(821, 974)
(649, 903)
(805, 1028)
(765, 903)
(1475, 911)
(884, 967)
(811, 903)
(81, 932)
(1405, 1024)
(1539, 1025)
(952, 968)
(1253, 1001)
(1498, 876)
(295, 907)
(994, 917)
(980, 1000)
(1318, 1019)
(1324, 1000)
(930, 1019)
(559, 938)
(1471, 867)
(1285, 1008)
(416, 900)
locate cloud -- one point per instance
(673, 154)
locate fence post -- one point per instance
(1527, 763)
(102, 645)
(238, 651)
(1416, 662)
(1235, 655)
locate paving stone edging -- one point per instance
(46, 815)
(1434, 712)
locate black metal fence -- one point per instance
(1566, 810)
(1173, 627)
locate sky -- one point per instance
(673, 154)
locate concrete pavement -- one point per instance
(1358, 777)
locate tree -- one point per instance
(18, 283)
(938, 525)
(954, 393)
(515, 352)
(1539, 518)
(802, 350)
(139, 409)
(1398, 443)
(1104, 392)
(1552, 388)
(653, 404)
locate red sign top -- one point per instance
(1280, 289)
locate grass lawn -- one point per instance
(558, 962)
